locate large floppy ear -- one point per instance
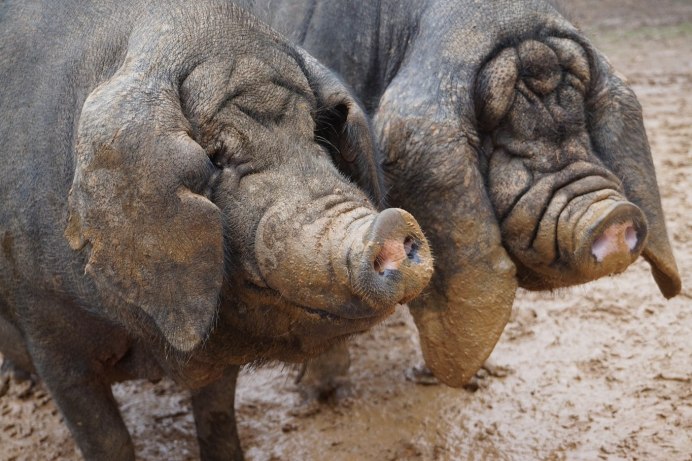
(462, 314)
(136, 205)
(618, 136)
(461, 319)
(342, 127)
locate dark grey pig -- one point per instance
(172, 205)
(513, 141)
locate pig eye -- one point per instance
(225, 152)
(329, 121)
(232, 159)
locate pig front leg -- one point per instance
(64, 359)
(214, 409)
(323, 376)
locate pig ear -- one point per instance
(462, 314)
(153, 240)
(343, 128)
(462, 317)
(618, 136)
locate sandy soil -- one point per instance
(602, 371)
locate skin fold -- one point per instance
(182, 194)
(511, 139)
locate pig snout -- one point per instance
(344, 260)
(619, 238)
(394, 252)
(587, 228)
(611, 235)
(396, 263)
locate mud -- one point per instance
(602, 371)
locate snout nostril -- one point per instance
(600, 248)
(393, 253)
(631, 237)
(408, 246)
(411, 248)
(618, 238)
(378, 264)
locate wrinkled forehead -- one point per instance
(264, 83)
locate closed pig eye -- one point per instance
(228, 155)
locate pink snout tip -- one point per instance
(619, 238)
(393, 253)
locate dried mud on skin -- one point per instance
(602, 371)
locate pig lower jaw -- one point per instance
(324, 315)
(373, 316)
(352, 313)
(553, 278)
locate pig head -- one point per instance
(569, 170)
(228, 178)
(535, 165)
(509, 137)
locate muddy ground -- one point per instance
(602, 371)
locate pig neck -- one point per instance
(225, 347)
(365, 47)
(431, 42)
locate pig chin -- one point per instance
(292, 332)
(580, 231)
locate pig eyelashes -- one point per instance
(536, 66)
(227, 154)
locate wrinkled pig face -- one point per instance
(564, 216)
(308, 257)
(227, 186)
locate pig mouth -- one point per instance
(354, 311)
(531, 225)
(585, 229)
(351, 311)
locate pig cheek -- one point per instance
(508, 180)
(265, 319)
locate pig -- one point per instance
(510, 137)
(182, 193)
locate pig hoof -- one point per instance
(322, 388)
(420, 374)
(325, 378)
(14, 373)
(13, 376)
(480, 379)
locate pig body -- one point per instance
(167, 209)
(519, 149)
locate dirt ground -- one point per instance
(602, 371)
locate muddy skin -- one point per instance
(539, 155)
(176, 202)
(510, 138)
(596, 371)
